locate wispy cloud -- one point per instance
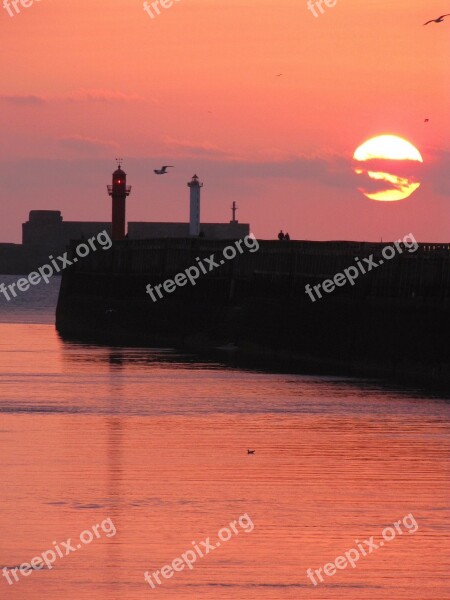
(337, 171)
(101, 96)
(331, 170)
(25, 100)
(75, 96)
(437, 170)
(189, 148)
(86, 145)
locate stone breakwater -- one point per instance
(395, 322)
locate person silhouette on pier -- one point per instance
(281, 235)
(287, 237)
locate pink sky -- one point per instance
(87, 80)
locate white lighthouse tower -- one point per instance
(194, 220)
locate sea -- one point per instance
(132, 473)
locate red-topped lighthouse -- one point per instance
(119, 190)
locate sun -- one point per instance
(389, 164)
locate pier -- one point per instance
(393, 322)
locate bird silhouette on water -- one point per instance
(250, 451)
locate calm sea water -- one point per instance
(152, 446)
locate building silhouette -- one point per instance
(46, 232)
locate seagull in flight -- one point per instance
(279, 75)
(163, 170)
(438, 20)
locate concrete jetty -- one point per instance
(393, 322)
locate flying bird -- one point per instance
(426, 120)
(438, 20)
(279, 75)
(163, 170)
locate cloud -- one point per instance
(330, 170)
(101, 96)
(437, 171)
(188, 148)
(26, 100)
(405, 167)
(75, 96)
(337, 171)
(85, 145)
(387, 174)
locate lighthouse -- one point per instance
(194, 220)
(118, 191)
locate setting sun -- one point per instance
(391, 152)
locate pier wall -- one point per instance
(395, 320)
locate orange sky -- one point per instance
(87, 80)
